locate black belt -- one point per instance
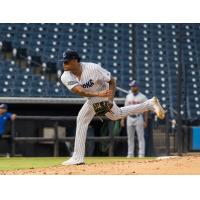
(134, 116)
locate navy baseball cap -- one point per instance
(133, 84)
(3, 106)
(70, 55)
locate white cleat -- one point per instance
(160, 112)
(71, 161)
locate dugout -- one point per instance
(28, 127)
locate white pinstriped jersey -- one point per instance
(94, 78)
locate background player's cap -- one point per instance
(133, 84)
(4, 106)
(69, 55)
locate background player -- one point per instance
(4, 117)
(135, 122)
(92, 81)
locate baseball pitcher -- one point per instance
(92, 81)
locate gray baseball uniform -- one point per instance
(135, 123)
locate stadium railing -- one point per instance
(111, 138)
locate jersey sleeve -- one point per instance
(69, 81)
(103, 74)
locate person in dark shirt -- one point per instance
(4, 117)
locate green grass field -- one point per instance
(39, 162)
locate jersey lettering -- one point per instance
(134, 102)
(88, 84)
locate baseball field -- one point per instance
(174, 165)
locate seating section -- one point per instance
(107, 44)
(157, 60)
(16, 82)
(150, 50)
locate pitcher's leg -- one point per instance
(136, 109)
(123, 112)
(152, 104)
(84, 117)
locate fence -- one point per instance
(111, 138)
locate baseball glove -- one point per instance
(101, 108)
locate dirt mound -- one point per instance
(166, 166)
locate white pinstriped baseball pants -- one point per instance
(87, 113)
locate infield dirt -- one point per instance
(186, 165)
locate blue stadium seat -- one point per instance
(5, 92)
(38, 92)
(22, 91)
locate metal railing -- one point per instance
(111, 138)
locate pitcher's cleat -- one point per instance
(71, 161)
(158, 109)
